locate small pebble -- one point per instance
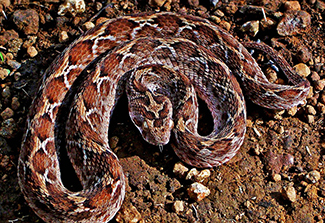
(294, 22)
(225, 25)
(26, 20)
(63, 36)
(278, 114)
(276, 177)
(310, 119)
(6, 93)
(292, 5)
(192, 174)
(292, 111)
(193, 3)
(156, 3)
(8, 128)
(32, 52)
(174, 185)
(313, 176)
(5, 3)
(267, 24)
(14, 64)
(72, 6)
(7, 113)
(30, 41)
(275, 162)
(178, 206)
(304, 55)
(311, 192)
(231, 8)
(271, 75)
(289, 193)
(219, 13)
(88, 25)
(302, 69)
(113, 141)
(311, 110)
(314, 76)
(251, 27)
(128, 213)
(204, 174)
(15, 103)
(215, 19)
(198, 191)
(249, 122)
(247, 204)
(278, 14)
(180, 170)
(310, 93)
(319, 85)
(4, 73)
(99, 6)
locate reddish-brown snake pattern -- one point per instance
(163, 61)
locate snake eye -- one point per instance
(145, 125)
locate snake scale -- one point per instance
(163, 61)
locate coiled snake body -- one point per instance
(163, 61)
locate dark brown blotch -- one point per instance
(43, 127)
(163, 113)
(148, 114)
(40, 162)
(121, 28)
(158, 123)
(168, 23)
(79, 53)
(90, 95)
(55, 90)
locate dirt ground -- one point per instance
(278, 174)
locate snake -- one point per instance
(164, 62)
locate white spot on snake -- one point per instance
(167, 46)
(197, 35)
(67, 71)
(44, 143)
(205, 152)
(126, 56)
(96, 41)
(226, 56)
(180, 30)
(135, 31)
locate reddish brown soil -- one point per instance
(244, 189)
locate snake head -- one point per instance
(153, 91)
(152, 115)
